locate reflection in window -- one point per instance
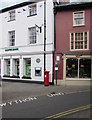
(28, 67)
(72, 68)
(16, 67)
(8, 67)
(85, 68)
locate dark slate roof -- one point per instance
(73, 6)
(18, 5)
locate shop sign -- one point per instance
(11, 49)
(56, 68)
(57, 58)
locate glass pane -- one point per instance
(85, 68)
(71, 68)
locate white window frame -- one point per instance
(11, 42)
(32, 34)
(32, 10)
(83, 41)
(74, 24)
(12, 15)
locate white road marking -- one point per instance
(18, 101)
(65, 93)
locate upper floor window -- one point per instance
(12, 15)
(32, 35)
(78, 18)
(32, 9)
(12, 38)
(79, 40)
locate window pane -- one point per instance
(12, 38)
(12, 15)
(71, 68)
(79, 18)
(80, 40)
(85, 68)
(32, 9)
(32, 35)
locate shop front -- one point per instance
(77, 69)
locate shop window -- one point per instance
(71, 68)
(38, 71)
(28, 67)
(8, 67)
(85, 68)
(16, 67)
(81, 70)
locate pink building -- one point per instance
(73, 43)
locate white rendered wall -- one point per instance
(25, 50)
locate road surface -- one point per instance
(47, 106)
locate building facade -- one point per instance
(27, 41)
(73, 54)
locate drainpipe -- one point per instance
(44, 35)
(54, 41)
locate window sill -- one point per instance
(6, 76)
(79, 50)
(26, 77)
(11, 20)
(79, 25)
(38, 76)
(78, 79)
(14, 76)
(31, 15)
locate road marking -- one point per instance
(65, 93)
(68, 112)
(53, 95)
(18, 101)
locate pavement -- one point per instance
(16, 90)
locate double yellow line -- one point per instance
(68, 112)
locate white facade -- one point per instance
(17, 59)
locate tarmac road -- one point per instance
(46, 105)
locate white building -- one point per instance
(27, 41)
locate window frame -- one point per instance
(11, 41)
(10, 16)
(32, 35)
(17, 67)
(74, 24)
(79, 77)
(30, 7)
(81, 40)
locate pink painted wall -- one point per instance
(91, 30)
(64, 25)
(60, 67)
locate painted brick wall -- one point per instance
(64, 25)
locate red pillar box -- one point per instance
(46, 78)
